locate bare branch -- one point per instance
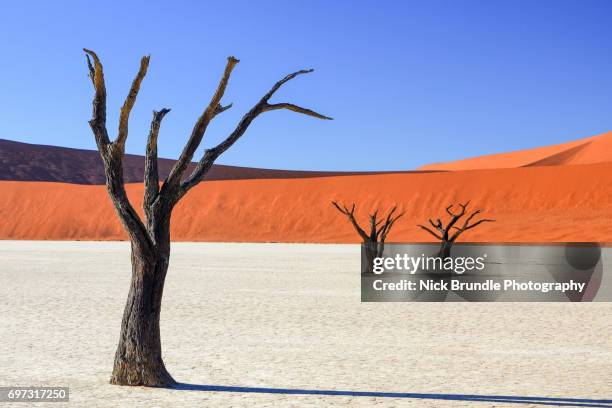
(478, 223)
(113, 160)
(448, 210)
(351, 216)
(280, 83)
(220, 109)
(390, 215)
(455, 217)
(466, 225)
(98, 119)
(92, 71)
(213, 108)
(151, 174)
(343, 209)
(437, 225)
(130, 100)
(430, 231)
(376, 234)
(297, 109)
(389, 222)
(210, 155)
(467, 221)
(465, 228)
(373, 223)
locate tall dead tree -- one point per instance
(448, 234)
(374, 241)
(138, 360)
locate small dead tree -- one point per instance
(443, 233)
(374, 241)
(138, 360)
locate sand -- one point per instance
(590, 150)
(530, 204)
(288, 316)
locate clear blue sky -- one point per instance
(407, 82)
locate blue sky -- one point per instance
(407, 82)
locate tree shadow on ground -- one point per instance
(561, 402)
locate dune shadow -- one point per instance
(567, 402)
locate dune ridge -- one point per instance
(30, 162)
(590, 150)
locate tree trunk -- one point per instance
(369, 253)
(445, 249)
(138, 360)
(380, 248)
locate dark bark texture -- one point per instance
(374, 241)
(138, 360)
(448, 234)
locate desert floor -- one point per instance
(284, 316)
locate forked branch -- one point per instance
(378, 232)
(173, 189)
(442, 232)
(214, 108)
(389, 222)
(468, 224)
(210, 155)
(350, 214)
(112, 152)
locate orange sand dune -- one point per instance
(531, 204)
(595, 149)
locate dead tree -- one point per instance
(443, 233)
(374, 241)
(138, 360)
